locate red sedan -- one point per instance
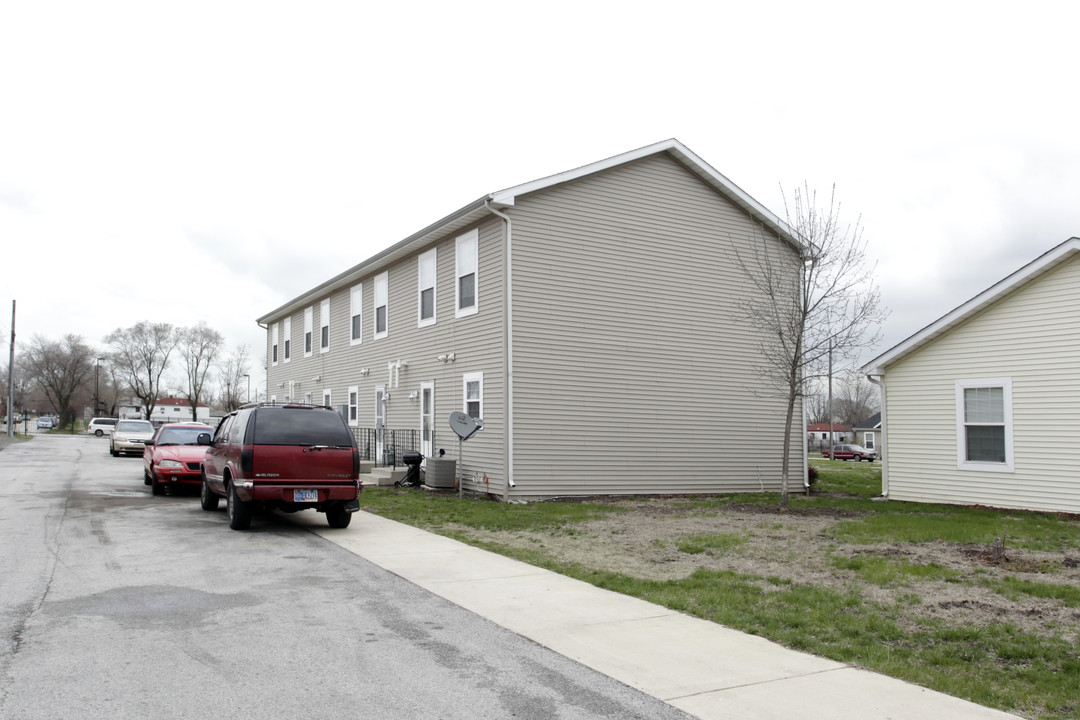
(173, 457)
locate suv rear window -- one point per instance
(300, 426)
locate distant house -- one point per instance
(817, 435)
(173, 409)
(867, 432)
(590, 318)
(983, 405)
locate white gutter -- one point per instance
(879, 380)
(509, 348)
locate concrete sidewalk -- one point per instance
(702, 668)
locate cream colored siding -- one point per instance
(1031, 336)
(634, 369)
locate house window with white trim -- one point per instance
(356, 314)
(868, 441)
(274, 343)
(324, 326)
(354, 399)
(426, 289)
(473, 390)
(466, 263)
(326, 398)
(984, 432)
(308, 325)
(286, 340)
(382, 294)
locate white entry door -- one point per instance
(380, 422)
(427, 417)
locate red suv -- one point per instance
(282, 457)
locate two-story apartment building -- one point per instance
(591, 319)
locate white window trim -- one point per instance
(274, 344)
(431, 258)
(382, 288)
(961, 436)
(324, 324)
(327, 398)
(465, 380)
(356, 309)
(869, 435)
(472, 237)
(354, 405)
(309, 329)
(286, 341)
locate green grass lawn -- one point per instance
(875, 618)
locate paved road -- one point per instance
(116, 604)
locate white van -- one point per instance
(101, 426)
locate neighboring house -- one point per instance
(817, 435)
(983, 406)
(867, 432)
(129, 409)
(590, 318)
(173, 409)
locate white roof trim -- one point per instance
(477, 210)
(681, 153)
(1042, 264)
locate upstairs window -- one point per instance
(426, 285)
(356, 314)
(984, 433)
(274, 343)
(382, 293)
(308, 325)
(324, 326)
(286, 340)
(466, 262)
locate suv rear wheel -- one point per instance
(239, 511)
(336, 517)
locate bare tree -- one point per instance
(231, 378)
(60, 368)
(831, 306)
(199, 348)
(140, 355)
(856, 400)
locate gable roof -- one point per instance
(1039, 266)
(871, 423)
(824, 427)
(478, 209)
(175, 401)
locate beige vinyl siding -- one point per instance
(1031, 336)
(476, 340)
(634, 371)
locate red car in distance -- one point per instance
(173, 457)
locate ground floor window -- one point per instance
(984, 433)
(354, 394)
(473, 386)
(868, 441)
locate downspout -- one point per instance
(266, 366)
(509, 348)
(879, 380)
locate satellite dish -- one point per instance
(465, 425)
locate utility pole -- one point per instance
(11, 377)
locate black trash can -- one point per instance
(412, 477)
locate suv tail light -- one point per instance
(247, 456)
(355, 461)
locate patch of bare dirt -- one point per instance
(647, 541)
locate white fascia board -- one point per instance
(687, 157)
(1042, 264)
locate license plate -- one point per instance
(305, 496)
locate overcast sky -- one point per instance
(211, 160)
